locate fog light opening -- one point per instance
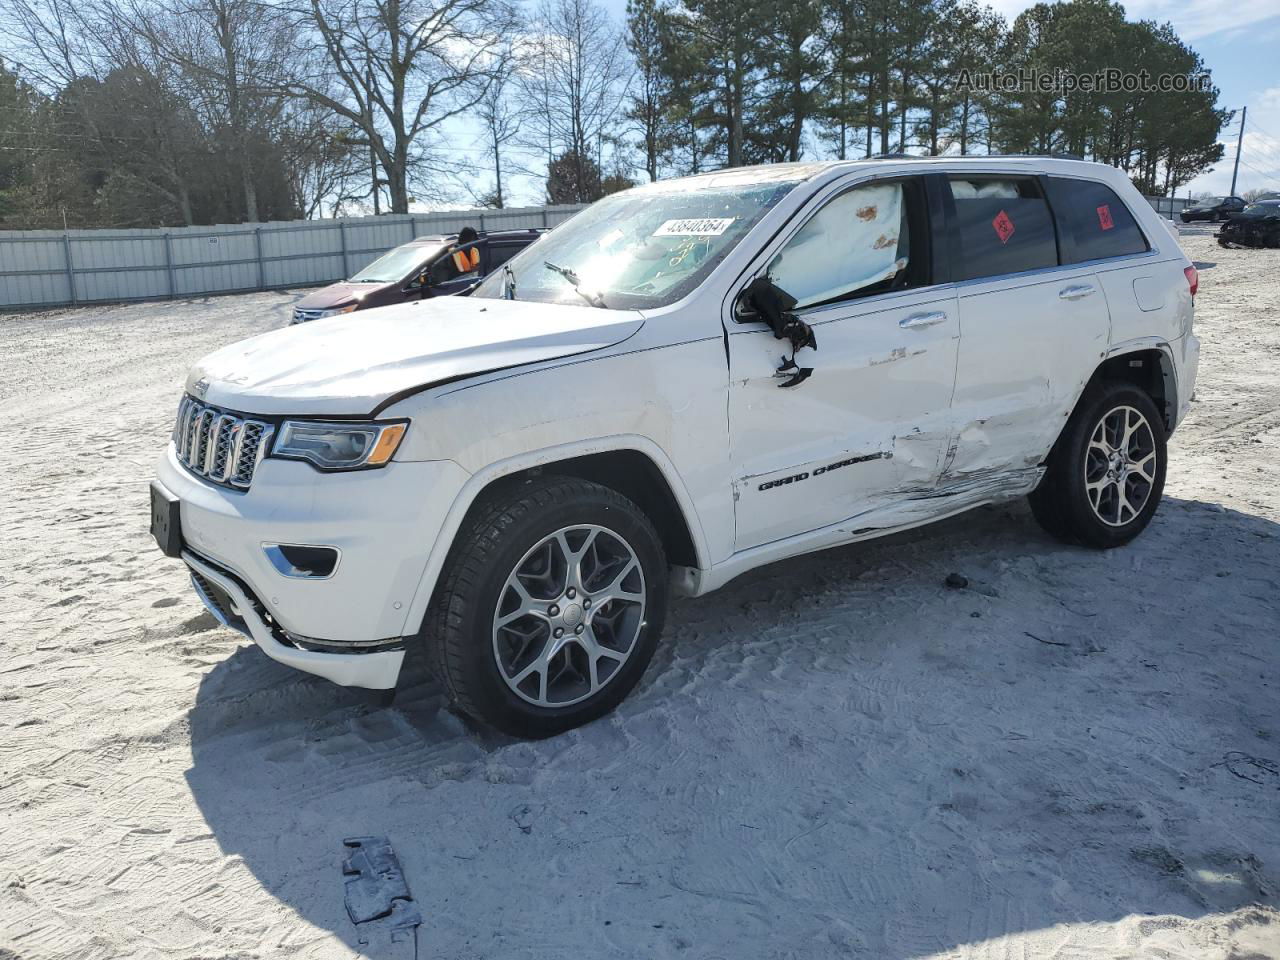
(301, 561)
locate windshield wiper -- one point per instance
(595, 299)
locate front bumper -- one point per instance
(304, 316)
(1257, 239)
(234, 608)
(384, 524)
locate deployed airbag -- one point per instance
(850, 244)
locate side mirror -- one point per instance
(762, 301)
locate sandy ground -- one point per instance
(1076, 757)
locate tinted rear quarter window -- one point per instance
(1004, 226)
(1095, 222)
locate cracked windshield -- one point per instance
(642, 248)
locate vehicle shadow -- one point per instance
(837, 755)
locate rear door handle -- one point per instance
(922, 320)
(1076, 292)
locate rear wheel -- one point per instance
(1106, 473)
(550, 607)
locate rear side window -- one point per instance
(1095, 222)
(1004, 225)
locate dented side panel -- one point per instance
(871, 423)
(1028, 346)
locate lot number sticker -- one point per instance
(1104, 217)
(707, 227)
(1003, 226)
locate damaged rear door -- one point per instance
(1033, 333)
(869, 422)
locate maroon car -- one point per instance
(438, 266)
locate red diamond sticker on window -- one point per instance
(1003, 226)
(1104, 217)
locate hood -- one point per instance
(336, 294)
(350, 364)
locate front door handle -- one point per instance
(922, 320)
(1076, 292)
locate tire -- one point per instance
(1093, 493)
(508, 586)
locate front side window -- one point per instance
(456, 265)
(1095, 221)
(1004, 226)
(641, 248)
(858, 244)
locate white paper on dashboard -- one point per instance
(699, 227)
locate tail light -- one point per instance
(1193, 279)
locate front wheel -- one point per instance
(550, 607)
(1106, 473)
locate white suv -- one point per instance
(685, 381)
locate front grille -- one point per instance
(302, 316)
(222, 447)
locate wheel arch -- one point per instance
(1148, 365)
(633, 466)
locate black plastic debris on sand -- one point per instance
(376, 887)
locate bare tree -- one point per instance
(649, 102)
(230, 54)
(397, 70)
(325, 170)
(576, 81)
(115, 101)
(50, 43)
(501, 118)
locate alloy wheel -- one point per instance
(1120, 466)
(569, 615)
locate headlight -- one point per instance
(335, 311)
(339, 446)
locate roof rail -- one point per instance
(979, 156)
(1037, 156)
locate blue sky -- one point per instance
(1239, 41)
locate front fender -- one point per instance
(545, 458)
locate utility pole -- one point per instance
(1239, 140)
(373, 154)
